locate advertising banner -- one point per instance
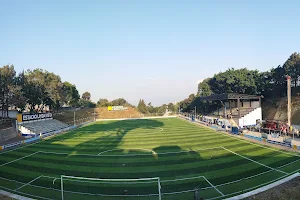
(30, 117)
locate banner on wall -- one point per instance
(115, 108)
(30, 117)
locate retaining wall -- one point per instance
(7, 134)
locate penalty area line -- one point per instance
(255, 161)
(213, 186)
(19, 159)
(28, 183)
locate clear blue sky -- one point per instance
(156, 50)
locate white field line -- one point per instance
(255, 161)
(169, 193)
(28, 183)
(20, 147)
(19, 159)
(181, 179)
(245, 141)
(288, 164)
(264, 188)
(120, 155)
(22, 193)
(153, 152)
(213, 186)
(249, 177)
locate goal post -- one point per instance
(143, 188)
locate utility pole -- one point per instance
(289, 107)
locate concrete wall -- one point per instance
(11, 114)
(7, 134)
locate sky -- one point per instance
(155, 50)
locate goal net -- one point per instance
(94, 188)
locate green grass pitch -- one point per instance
(184, 156)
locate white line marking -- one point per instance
(255, 161)
(19, 159)
(22, 146)
(153, 152)
(228, 183)
(120, 155)
(213, 186)
(245, 141)
(181, 179)
(288, 164)
(28, 183)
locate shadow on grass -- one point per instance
(87, 140)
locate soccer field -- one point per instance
(184, 156)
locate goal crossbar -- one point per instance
(105, 179)
(157, 179)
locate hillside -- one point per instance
(68, 116)
(277, 109)
(103, 113)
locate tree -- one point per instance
(142, 107)
(49, 83)
(119, 102)
(86, 104)
(86, 96)
(7, 79)
(69, 94)
(103, 103)
(204, 88)
(162, 109)
(292, 67)
(242, 81)
(171, 107)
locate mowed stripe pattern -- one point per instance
(171, 149)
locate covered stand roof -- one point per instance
(229, 96)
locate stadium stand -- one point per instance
(44, 126)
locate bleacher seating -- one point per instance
(44, 126)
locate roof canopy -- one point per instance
(229, 96)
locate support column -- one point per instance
(289, 110)
(238, 105)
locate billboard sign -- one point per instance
(30, 117)
(115, 108)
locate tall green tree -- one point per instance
(69, 94)
(241, 81)
(103, 103)
(7, 80)
(171, 107)
(292, 67)
(86, 96)
(204, 88)
(142, 107)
